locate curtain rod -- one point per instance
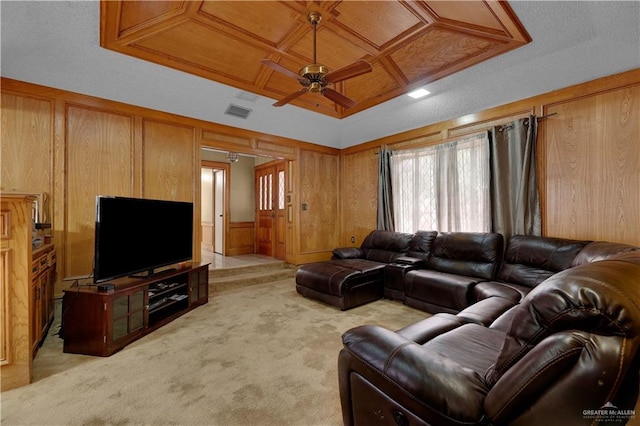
(546, 116)
(509, 126)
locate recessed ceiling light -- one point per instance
(419, 93)
(245, 96)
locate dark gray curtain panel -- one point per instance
(386, 221)
(515, 202)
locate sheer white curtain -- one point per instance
(443, 187)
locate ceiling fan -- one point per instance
(315, 77)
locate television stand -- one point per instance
(102, 323)
(151, 273)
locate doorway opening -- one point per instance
(214, 204)
(234, 217)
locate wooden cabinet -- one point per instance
(27, 277)
(103, 322)
(44, 275)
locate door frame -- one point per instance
(216, 165)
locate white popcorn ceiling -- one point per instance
(56, 44)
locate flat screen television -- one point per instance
(136, 236)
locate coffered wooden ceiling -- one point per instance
(408, 43)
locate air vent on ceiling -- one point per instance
(237, 111)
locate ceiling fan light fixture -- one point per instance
(419, 93)
(315, 78)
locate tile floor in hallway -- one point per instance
(221, 262)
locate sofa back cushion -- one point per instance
(529, 260)
(602, 250)
(385, 246)
(473, 254)
(421, 244)
(600, 298)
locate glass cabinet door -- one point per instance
(128, 314)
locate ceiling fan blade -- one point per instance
(338, 98)
(353, 70)
(290, 97)
(282, 70)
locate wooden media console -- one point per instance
(101, 323)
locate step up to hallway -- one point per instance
(229, 278)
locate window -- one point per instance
(443, 187)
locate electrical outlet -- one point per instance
(353, 239)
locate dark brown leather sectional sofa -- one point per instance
(542, 331)
(443, 272)
(567, 354)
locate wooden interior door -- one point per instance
(270, 209)
(265, 215)
(206, 211)
(280, 208)
(218, 211)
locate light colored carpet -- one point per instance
(257, 355)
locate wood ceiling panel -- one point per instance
(370, 85)
(466, 13)
(220, 57)
(379, 22)
(333, 50)
(436, 50)
(134, 13)
(270, 21)
(408, 43)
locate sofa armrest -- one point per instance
(566, 363)
(486, 311)
(425, 330)
(348, 253)
(413, 261)
(435, 381)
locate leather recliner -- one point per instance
(566, 354)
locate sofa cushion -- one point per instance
(449, 291)
(348, 253)
(472, 254)
(385, 246)
(360, 265)
(529, 260)
(597, 297)
(324, 277)
(421, 244)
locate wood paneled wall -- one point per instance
(27, 119)
(360, 201)
(592, 165)
(74, 147)
(588, 158)
(241, 238)
(318, 205)
(100, 152)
